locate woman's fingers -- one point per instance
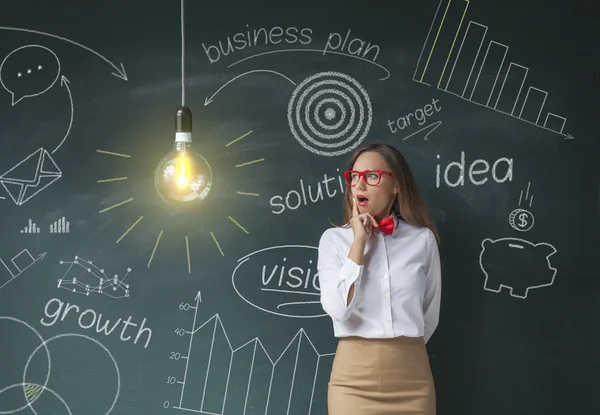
(354, 207)
(373, 221)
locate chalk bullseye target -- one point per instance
(330, 113)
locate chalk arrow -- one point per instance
(432, 128)
(198, 298)
(119, 71)
(64, 82)
(208, 100)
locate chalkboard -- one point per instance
(112, 302)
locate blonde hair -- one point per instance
(409, 204)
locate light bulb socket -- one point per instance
(183, 120)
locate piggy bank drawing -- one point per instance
(516, 264)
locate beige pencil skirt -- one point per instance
(380, 377)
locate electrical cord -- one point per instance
(182, 54)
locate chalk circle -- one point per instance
(44, 386)
(329, 113)
(92, 340)
(44, 389)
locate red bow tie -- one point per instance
(386, 225)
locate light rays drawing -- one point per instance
(187, 243)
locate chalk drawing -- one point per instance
(289, 276)
(320, 51)
(244, 382)
(18, 265)
(30, 176)
(208, 100)
(502, 88)
(119, 70)
(84, 277)
(186, 242)
(35, 78)
(33, 391)
(59, 226)
(330, 113)
(522, 219)
(516, 264)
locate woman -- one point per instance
(380, 282)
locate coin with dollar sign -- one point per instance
(521, 220)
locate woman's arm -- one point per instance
(339, 276)
(433, 288)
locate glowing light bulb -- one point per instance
(183, 177)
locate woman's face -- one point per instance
(376, 200)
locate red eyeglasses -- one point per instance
(371, 177)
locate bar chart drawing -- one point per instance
(60, 226)
(18, 265)
(480, 72)
(220, 379)
(31, 227)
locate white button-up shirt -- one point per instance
(397, 289)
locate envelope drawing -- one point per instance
(30, 176)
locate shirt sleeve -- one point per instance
(433, 288)
(337, 273)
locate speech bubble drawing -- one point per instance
(29, 71)
(280, 280)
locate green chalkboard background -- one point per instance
(495, 104)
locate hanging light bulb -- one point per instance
(183, 177)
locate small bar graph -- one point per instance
(511, 88)
(464, 65)
(31, 227)
(490, 68)
(60, 226)
(533, 105)
(555, 122)
(461, 59)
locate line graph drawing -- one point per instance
(84, 277)
(20, 263)
(478, 73)
(222, 379)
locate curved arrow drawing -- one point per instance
(314, 50)
(208, 100)
(65, 82)
(119, 72)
